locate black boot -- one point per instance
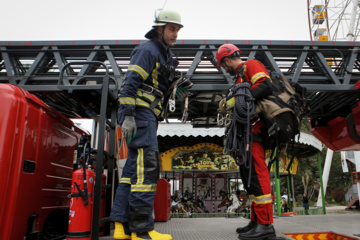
(246, 228)
(260, 231)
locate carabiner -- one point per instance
(220, 119)
(172, 105)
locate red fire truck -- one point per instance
(37, 150)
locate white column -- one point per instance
(357, 168)
(325, 176)
(358, 189)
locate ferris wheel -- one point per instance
(334, 20)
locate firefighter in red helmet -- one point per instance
(258, 185)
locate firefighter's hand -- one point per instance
(129, 128)
(230, 103)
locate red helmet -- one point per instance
(225, 50)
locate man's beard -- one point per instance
(231, 71)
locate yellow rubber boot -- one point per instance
(122, 231)
(151, 235)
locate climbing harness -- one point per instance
(154, 92)
(176, 93)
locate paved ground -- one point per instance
(340, 209)
(337, 220)
(224, 228)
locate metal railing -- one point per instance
(210, 215)
(310, 211)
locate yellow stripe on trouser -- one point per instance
(263, 199)
(139, 186)
(143, 188)
(140, 166)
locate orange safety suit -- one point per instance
(259, 191)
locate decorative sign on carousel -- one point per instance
(200, 157)
(210, 157)
(284, 161)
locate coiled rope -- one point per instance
(239, 136)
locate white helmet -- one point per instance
(163, 17)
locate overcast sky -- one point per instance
(125, 19)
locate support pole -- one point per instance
(289, 193)
(321, 183)
(292, 192)
(99, 159)
(325, 176)
(110, 171)
(357, 169)
(277, 188)
(173, 185)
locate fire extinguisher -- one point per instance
(81, 201)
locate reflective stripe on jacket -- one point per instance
(147, 64)
(255, 72)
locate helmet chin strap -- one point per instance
(162, 37)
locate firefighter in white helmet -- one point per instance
(141, 107)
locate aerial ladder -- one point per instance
(68, 76)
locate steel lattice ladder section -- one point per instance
(36, 67)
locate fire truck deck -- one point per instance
(343, 226)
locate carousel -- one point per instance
(203, 174)
(206, 182)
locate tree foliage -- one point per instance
(308, 178)
(308, 168)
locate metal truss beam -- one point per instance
(328, 70)
(82, 79)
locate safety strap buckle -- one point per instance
(273, 129)
(155, 92)
(152, 90)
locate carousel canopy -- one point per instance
(173, 135)
(187, 130)
(309, 140)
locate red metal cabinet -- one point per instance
(162, 201)
(339, 134)
(37, 147)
